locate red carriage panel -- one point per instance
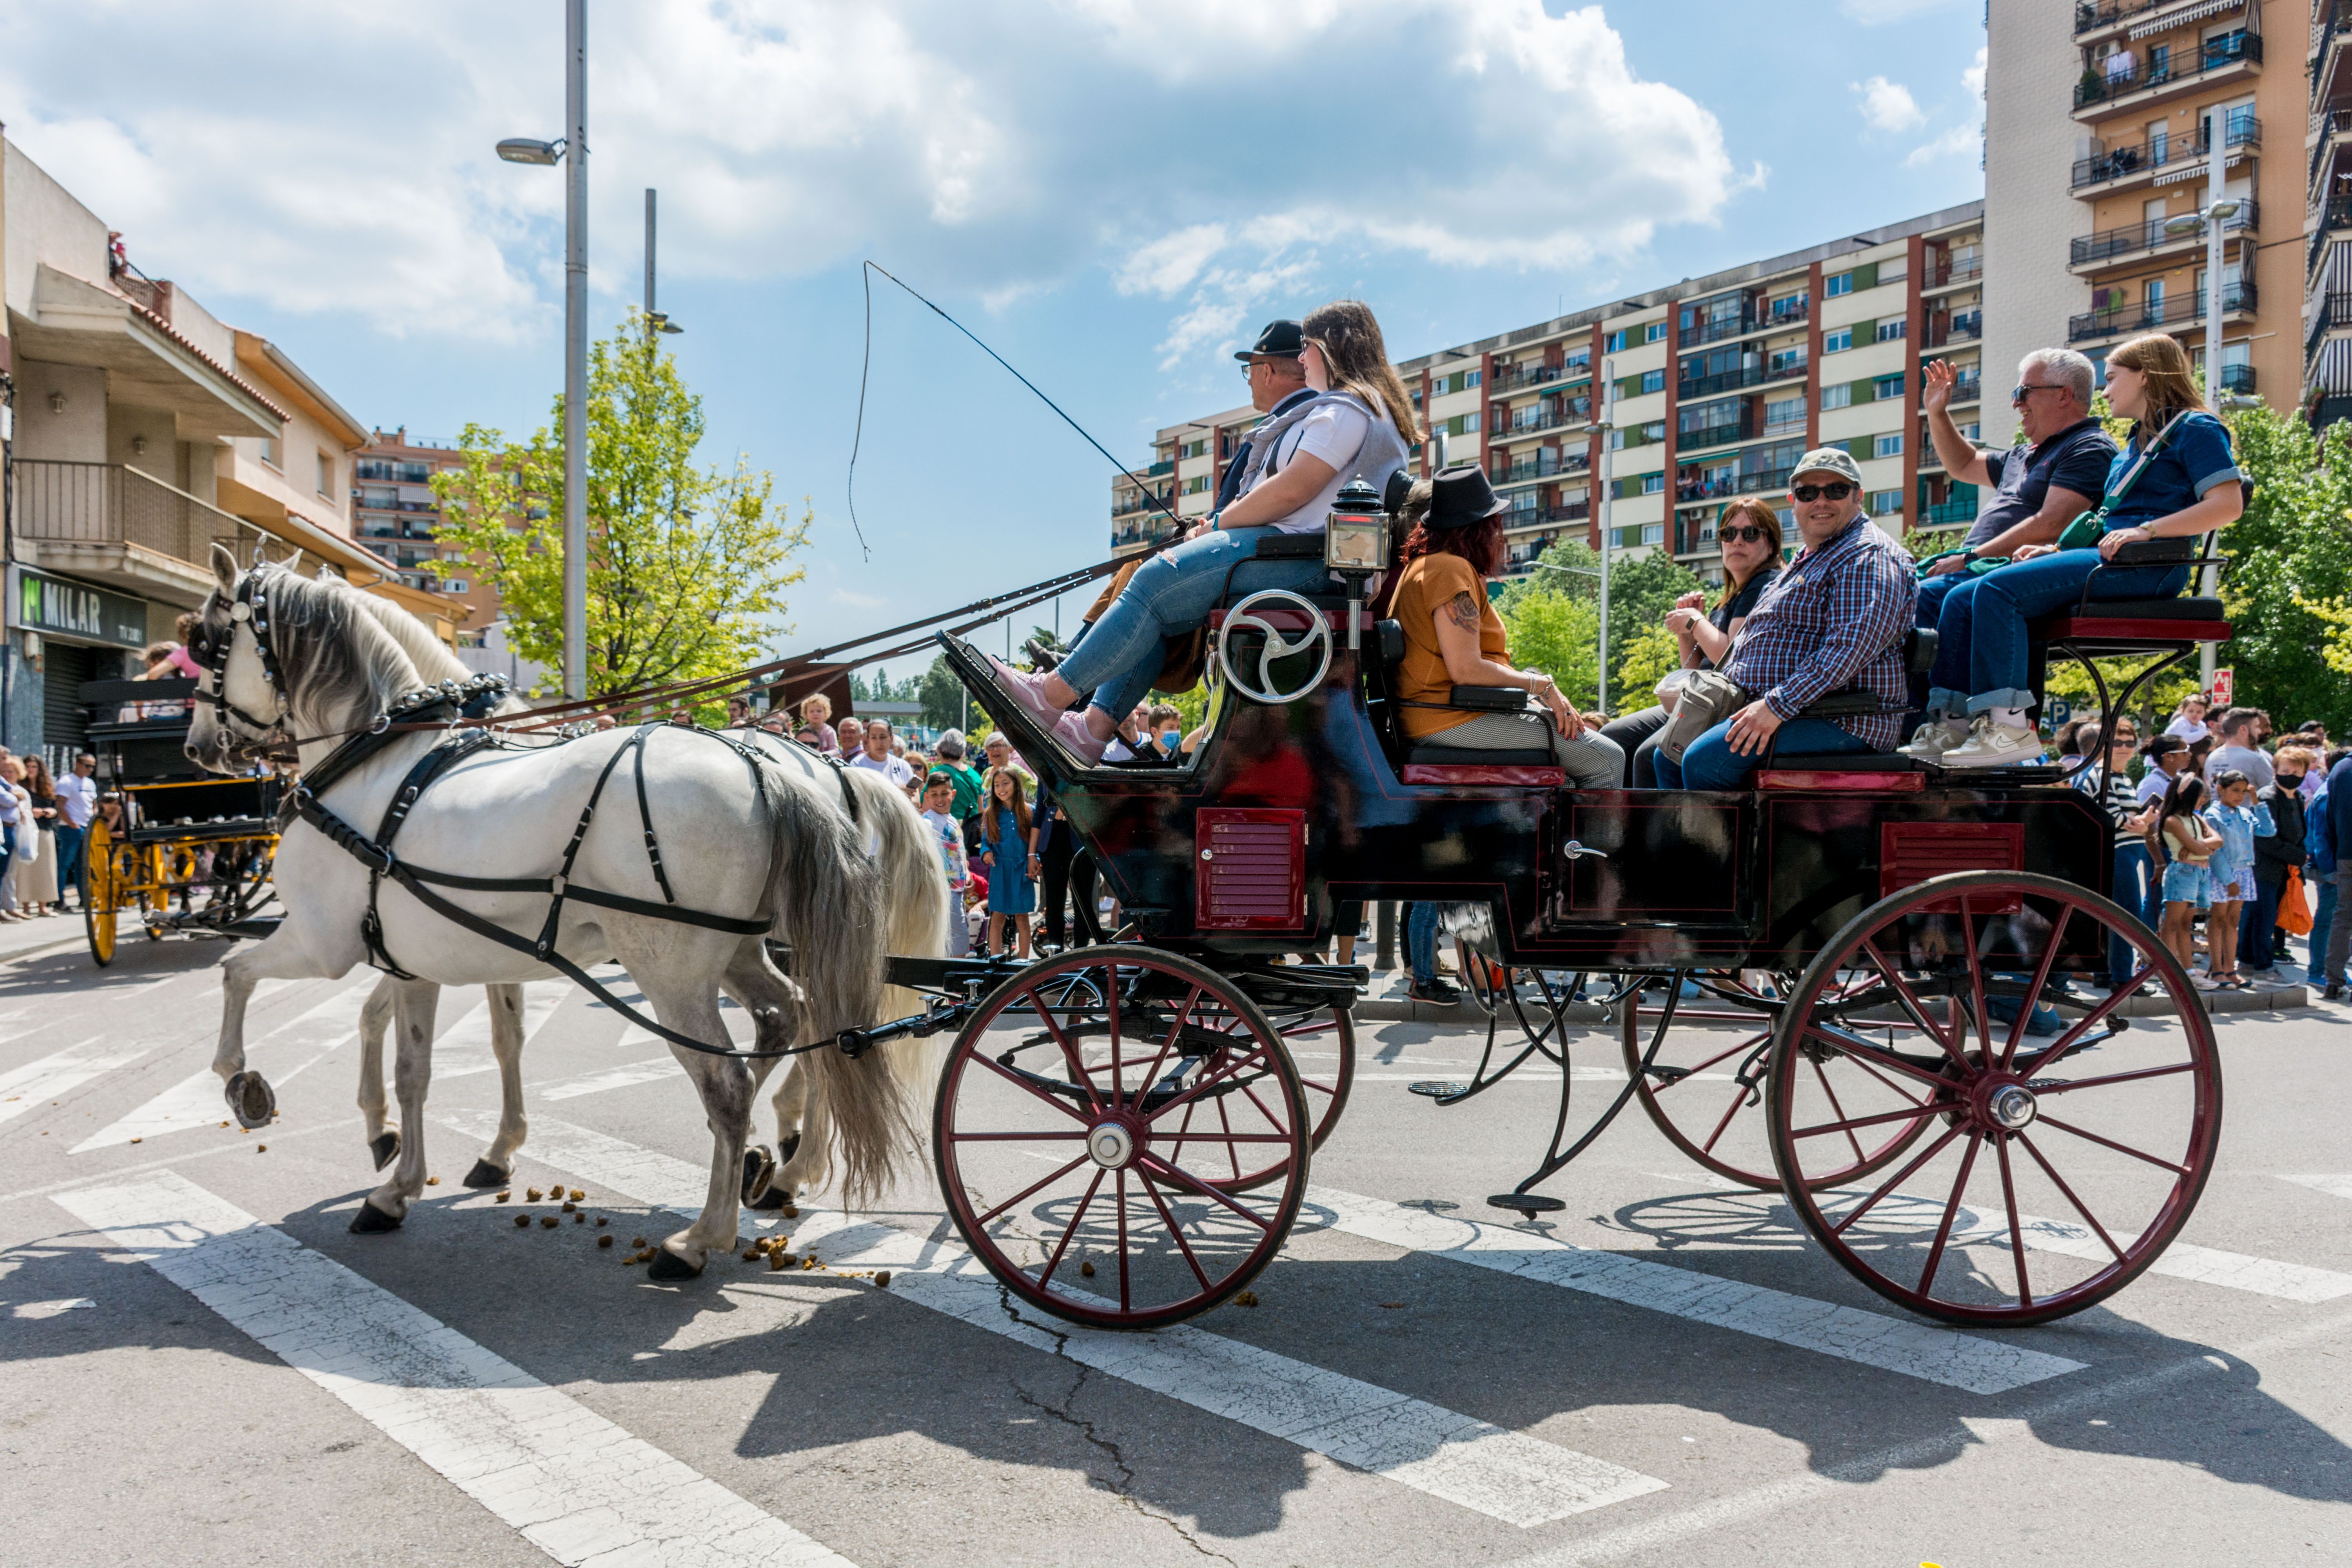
(1249, 869)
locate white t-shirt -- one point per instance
(2152, 785)
(895, 769)
(78, 799)
(1335, 433)
(2189, 730)
(2254, 764)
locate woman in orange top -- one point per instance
(1454, 541)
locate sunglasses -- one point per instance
(1750, 534)
(2020, 392)
(1837, 490)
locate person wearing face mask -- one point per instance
(1832, 620)
(1748, 535)
(2177, 479)
(2277, 859)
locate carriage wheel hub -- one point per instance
(2011, 1107)
(1112, 1146)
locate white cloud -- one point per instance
(1878, 13)
(1958, 139)
(1886, 105)
(1188, 148)
(1973, 78)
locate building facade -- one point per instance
(2149, 100)
(2327, 255)
(1719, 385)
(142, 431)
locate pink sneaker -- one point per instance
(1026, 689)
(1070, 729)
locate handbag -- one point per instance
(2294, 908)
(1669, 690)
(2088, 528)
(1709, 697)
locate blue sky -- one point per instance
(1113, 193)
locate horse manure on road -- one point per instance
(569, 1207)
(883, 1279)
(1085, 1268)
(577, 1194)
(548, 1221)
(522, 1220)
(605, 1240)
(504, 1196)
(532, 1194)
(432, 1180)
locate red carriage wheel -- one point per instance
(1699, 1075)
(1325, 1038)
(2058, 1164)
(1092, 1120)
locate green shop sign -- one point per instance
(55, 607)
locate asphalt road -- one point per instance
(199, 1363)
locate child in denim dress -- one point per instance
(2239, 820)
(2183, 844)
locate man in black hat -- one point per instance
(1276, 375)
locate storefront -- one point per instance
(60, 633)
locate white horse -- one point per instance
(769, 839)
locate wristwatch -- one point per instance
(1968, 555)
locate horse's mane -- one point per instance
(432, 658)
(342, 657)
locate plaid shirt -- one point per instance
(1834, 620)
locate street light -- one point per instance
(572, 151)
(2209, 220)
(660, 322)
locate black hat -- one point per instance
(1287, 337)
(1460, 496)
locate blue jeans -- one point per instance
(70, 840)
(1981, 658)
(2134, 887)
(1420, 940)
(1174, 593)
(1709, 762)
(2256, 920)
(2322, 921)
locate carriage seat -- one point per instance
(1919, 646)
(1432, 762)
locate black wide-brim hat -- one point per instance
(1285, 338)
(1460, 496)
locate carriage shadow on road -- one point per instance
(69, 971)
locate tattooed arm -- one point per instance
(1457, 623)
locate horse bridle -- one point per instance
(250, 607)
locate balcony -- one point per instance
(2135, 83)
(2110, 246)
(1541, 466)
(2237, 299)
(2090, 15)
(1738, 379)
(2237, 378)
(1962, 327)
(1544, 516)
(1723, 486)
(1165, 466)
(1967, 389)
(1739, 429)
(1576, 414)
(2139, 163)
(433, 506)
(2332, 219)
(1951, 270)
(1524, 377)
(126, 530)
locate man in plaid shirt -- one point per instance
(1834, 620)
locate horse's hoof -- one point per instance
(372, 1220)
(485, 1175)
(250, 1099)
(759, 1167)
(668, 1266)
(383, 1146)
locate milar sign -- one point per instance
(55, 607)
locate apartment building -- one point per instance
(2142, 101)
(2327, 256)
(143, 431)
(1720, 384)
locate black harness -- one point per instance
(451, 703)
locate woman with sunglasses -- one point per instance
(1748, 535)
(2176, 479)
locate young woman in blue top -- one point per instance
(2189, 487)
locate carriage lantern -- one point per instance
(1356, 544)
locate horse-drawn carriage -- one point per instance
(190, 850)
(1862, 982)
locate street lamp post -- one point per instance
(571, 152)
(1607, 425)
(660, 322)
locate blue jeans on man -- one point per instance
(1170, 593)
(70, 840)
(1709, 762)
(1420, 940)
(2137, 889)
(1982, 659)
(2256, 920)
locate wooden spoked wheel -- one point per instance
(1091, 1121)
(1322, 1045)
(98, 891)
(1704, 1085)
(2058, 1165)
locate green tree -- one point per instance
(1642, 589)
(941, 695)
(2290, 563)
(1559, 634)
(687, 565)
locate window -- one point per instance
(1842, 283)
(1890, 331)
(1654, 534)
(1581, 359)
(1895, 269)
(1614, 343)
(1654, 381)
(1655, 332)
(1196, 485)
(1887, 446)
(269, 452)
(1470, 378)
(1787, 411)
(1788, 361)
(1440, 386)
(453, 584)
(1887, 387)
(1840, 395)
(1653, 483)
(1837, 343)
(1199, 448)
(1887, 503)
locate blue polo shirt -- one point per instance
(2075, 459)
(2193, 459)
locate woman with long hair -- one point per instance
(1008, 836)
(1454, 541)
(2175, 481)
(1748, 536)
(37, 886)
(1358, 426)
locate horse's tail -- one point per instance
(914, 915)
(831, 890)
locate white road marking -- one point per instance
(1891, 1344)
(2335, 1186)
(196, 1100)
(1507, 1476)
(39, 1082)
(50, 1309)
(573, 1484)
(646, 1072)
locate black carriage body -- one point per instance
(166, 795)
(1289, 809)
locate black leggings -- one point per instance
(1637, 734)
(1067, 871)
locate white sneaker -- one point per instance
(1933, 738)
(1994, 746)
